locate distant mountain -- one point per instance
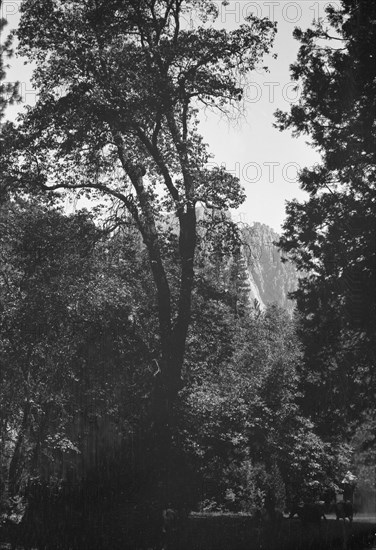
(264, 277)
(269, 279)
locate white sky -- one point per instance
(265, 160)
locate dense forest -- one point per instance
(155, 355)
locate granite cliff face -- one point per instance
(264, 278)
(269, 279)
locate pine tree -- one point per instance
(331, 236)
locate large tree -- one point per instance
(331, 236)
(119, 86)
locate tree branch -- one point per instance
(154, 151)
(151, 240)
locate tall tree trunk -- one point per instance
(15, 467)
(168, 380)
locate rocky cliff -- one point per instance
(269, 279)
(262, 274)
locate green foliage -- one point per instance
(240, 415)
(75, 348)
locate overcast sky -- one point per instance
(265, 160)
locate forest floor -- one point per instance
(236, 532)
(241, 532)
